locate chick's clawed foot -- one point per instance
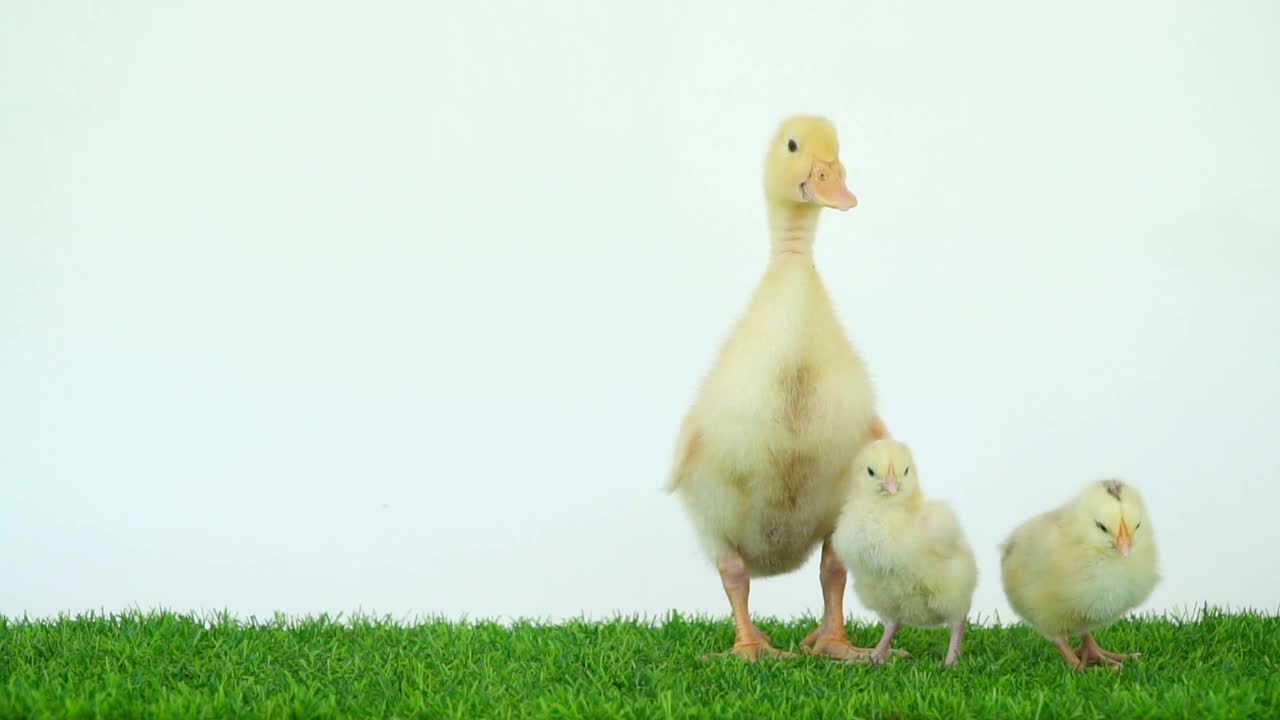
(1091, 654)
(883, 650)
(876, 657)
(1088, 659)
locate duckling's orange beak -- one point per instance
(825, 187)
(1124, 539)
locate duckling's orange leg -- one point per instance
(1091, 654)
(749, 642)
(830, 639)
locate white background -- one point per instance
(396, 307)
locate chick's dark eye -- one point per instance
(1101, 527)
(792, 146)
(871, 472)
(907, 471)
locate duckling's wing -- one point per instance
(687, 454)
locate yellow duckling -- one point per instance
(908, 556)
(1082, 566)
(762, 460)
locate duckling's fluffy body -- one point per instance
(762, 463)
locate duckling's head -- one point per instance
(1110, 516)
(803, 164)
(886, 470)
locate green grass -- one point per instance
(1216, 665)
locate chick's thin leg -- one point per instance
(881, 653)
(1091, 654)
(1086, 657)
(953, 650)
(1068, 654)
(749, 643)
(830, 639)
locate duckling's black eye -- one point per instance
(871, 472)
(1102, 527)
(792, 146)
(1135, 527)
(907, 471)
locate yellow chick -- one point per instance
(762, 460)
(909, 558)
(1082, 566)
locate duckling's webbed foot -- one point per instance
(751, 651)
(749, 642)
(830, 639)
(833, 644)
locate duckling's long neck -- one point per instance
(791, 228)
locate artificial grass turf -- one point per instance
(160, 665)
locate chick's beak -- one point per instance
(825, 187)
(890, 484)
(1123, 539)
